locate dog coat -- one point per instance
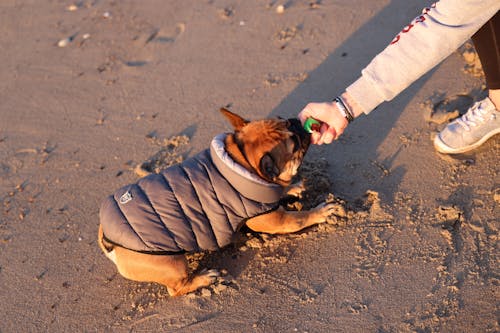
(196, 205)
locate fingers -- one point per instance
(315, 138)
(332, 122)
(325, 136)
(329, 134)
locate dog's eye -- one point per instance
(268, 167)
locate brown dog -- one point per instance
(201, 203)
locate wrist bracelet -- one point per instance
(349, 111)
(346, 112)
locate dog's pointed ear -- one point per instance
(236, 121)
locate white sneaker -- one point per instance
(468, 132)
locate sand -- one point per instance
(95, 93)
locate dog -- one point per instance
(200, 204)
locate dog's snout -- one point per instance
(295, 126)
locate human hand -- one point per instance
(332, 121)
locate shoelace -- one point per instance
(473, 117)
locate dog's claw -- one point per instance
(326, 209)
(211, 274)
(321, 205)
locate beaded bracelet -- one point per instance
(344, 109)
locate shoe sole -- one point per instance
(445, 149)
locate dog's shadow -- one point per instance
(248, 244)
(231, 260)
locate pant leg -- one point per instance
(487, 43)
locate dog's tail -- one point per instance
(105, 246)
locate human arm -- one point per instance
(420, 46)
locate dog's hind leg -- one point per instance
(172, 271)
(187, 284)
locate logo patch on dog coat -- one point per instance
(126, 197)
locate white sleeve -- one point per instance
(425, 42)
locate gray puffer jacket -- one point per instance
(196, 205)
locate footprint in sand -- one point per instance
(472, 63)
(440, 109)
(154, 36)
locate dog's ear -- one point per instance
(235, 120)
(268, 167)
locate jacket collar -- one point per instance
(247, 183)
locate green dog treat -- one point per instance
(312, 125)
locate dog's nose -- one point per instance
(296, 127)
(304, 137)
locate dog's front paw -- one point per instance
(208, 277)
(296, 189)
(324, 210)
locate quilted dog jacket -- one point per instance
(196, 205)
